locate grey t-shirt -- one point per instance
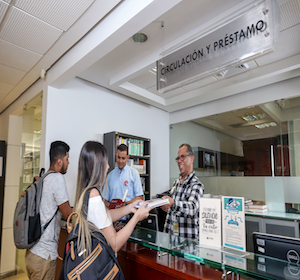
(54, 194)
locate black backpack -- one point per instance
(100, 264)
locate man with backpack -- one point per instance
(41, 258)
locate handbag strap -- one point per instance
(69, 226)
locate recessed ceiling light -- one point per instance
(265, 125)
(153, 70)
(254, 117)
(139, 38)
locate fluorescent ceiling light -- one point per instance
(265, 125)
(153, 70)
(254, 117)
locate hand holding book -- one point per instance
(117, 203)
(154, 202)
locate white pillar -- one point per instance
(11, 194)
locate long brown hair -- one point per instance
(91, 173)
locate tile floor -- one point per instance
(21, 264)
(21, 276)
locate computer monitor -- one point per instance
(143, 234)
(277, 246)
(151, 222)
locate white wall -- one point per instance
(248, 187)
(82, 111)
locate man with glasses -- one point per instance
(183, 209)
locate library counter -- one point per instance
(148, 254)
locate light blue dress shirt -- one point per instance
(118, 182)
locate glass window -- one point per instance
(252, 152)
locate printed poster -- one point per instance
(210, 222)
(233, 215)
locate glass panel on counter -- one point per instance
(255, 266)
(252, 152)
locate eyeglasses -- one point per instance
(182, 157)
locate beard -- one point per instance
(63, 170)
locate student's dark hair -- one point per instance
(58, 149)
(188, 148)
(123, 148)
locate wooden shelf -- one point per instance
(110, 142)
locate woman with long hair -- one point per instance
(92, 170)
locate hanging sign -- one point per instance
(233, 223)
(250, 35)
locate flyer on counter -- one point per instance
(233, 216)
(210, 222)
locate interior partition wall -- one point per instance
(2, 181)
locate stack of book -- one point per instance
(138, 164)
(256, 207)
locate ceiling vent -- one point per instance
(243, 66)
(233, 71)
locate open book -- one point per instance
(154, 202)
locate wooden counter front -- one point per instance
(138, 262)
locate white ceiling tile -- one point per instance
(287, 45)
(18, 58)
(7, 1)
(3, 9)
(61, 14)
(10, 75)
(5, 88)
(289, 14)
(28, 32)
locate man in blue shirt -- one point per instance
(123, 178)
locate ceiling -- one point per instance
(232, 122)
(92, 39)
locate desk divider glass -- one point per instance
(243, 263)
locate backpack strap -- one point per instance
(85, 204)
(44, 175)
(47, 224)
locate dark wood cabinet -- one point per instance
(210, 159)
(259, 154)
